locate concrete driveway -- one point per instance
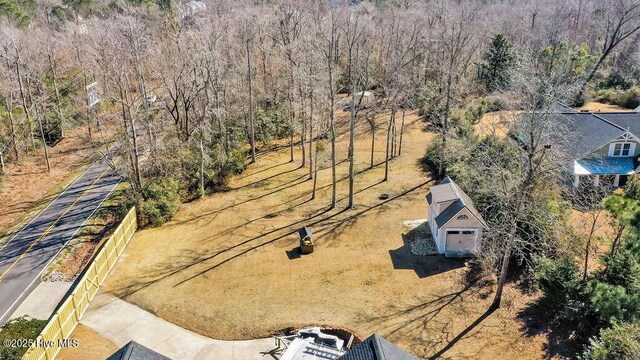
(122, 322)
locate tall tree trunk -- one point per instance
(251, 120)
(201, 167)
(616, 240)
(373, 145)
(292, 112)
(54, 74)
(505, 265)
(394, 139)
(23, 97)
(88, 111)
(352, 130)
(401, 132)
(311, 135)
(14, 142)
(303, 133)
(44, 142)
(332, 125)
(134, 138)
(315, 173)
(445, 126)
(392, 120)
(588, 247)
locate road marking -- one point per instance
(58, 253)
(51, 203)
(52, 226)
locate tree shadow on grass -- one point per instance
(429, 320)
(423, 265)
(192, 264)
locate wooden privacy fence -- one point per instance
(61, 325)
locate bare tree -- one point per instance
(540, 164)
(621, 20)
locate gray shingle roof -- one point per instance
(580, 134)
(625, 120)
(562, 108)
(448, 190)
(135, 351)
(376, 347)
(449, 213)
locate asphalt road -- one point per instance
(24, 258)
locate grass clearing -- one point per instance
(227, 266)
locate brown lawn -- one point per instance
(495, 123)
(91, 346)
(227, 266)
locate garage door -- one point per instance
(460, 242)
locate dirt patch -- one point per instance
(222, 269)
(91, 346)
(495, 123)
(594, 106)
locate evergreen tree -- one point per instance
(499, 61)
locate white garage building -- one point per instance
(455, 223)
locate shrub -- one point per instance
(271, 124)
(226, 166)
(560, 281)
(477, 110)
(615, 80)
(630, 98)
(621, 342)
(622, 269)
(161, 201)
(20, 328)
(612, 303)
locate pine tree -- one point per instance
(499, 62)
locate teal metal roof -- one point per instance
(605, 166)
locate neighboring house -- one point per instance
(190, 8)
(601, 147)
(455, 223)
(135, 351)
(376, 348)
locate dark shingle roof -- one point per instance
(449, 213)
(562, 108)
(135, 351)
(448, 190)
(580, 134)
(625, 120)
(376, 347)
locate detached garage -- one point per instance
(455, 223)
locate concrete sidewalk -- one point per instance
(41, 303)
(122, 322)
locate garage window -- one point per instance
(468, 232)
(453, 232)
